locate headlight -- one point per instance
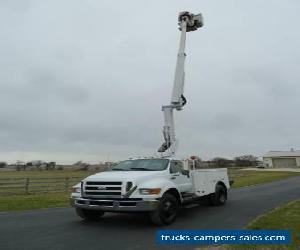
(150, 190)
(76, 190)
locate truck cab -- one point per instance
(159, 186)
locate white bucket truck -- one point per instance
(158, 185)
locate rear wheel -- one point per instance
(219, 197)
(166, 211)
(90, 215)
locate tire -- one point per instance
(219, 197)
(166, 212)
(89, 215)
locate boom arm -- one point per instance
(187, 22)
(178, 86)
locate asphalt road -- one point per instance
(61, 229)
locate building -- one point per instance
(282, 159)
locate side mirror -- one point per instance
(186, 172)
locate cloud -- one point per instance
(86, 81)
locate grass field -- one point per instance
(248, 178)
(37, 201)
(47, 200)
(285, 217)
(37, 182)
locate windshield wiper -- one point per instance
(143, 169)
(118, 169)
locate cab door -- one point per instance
(182, 181)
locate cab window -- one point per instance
(176, 167)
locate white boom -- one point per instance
(187, 22)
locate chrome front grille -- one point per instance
(104, 183)
(102, 189)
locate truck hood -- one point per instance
(135, 176)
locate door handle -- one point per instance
(173, 176)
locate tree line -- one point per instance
(221, 162)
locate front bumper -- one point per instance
(115, 205)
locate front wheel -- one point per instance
(219, 197)
(89, 215)
(166, 211)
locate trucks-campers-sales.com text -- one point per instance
(217, 239)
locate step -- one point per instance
(191, 205)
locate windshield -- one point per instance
(142, 165)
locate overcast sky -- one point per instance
(85, 80)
